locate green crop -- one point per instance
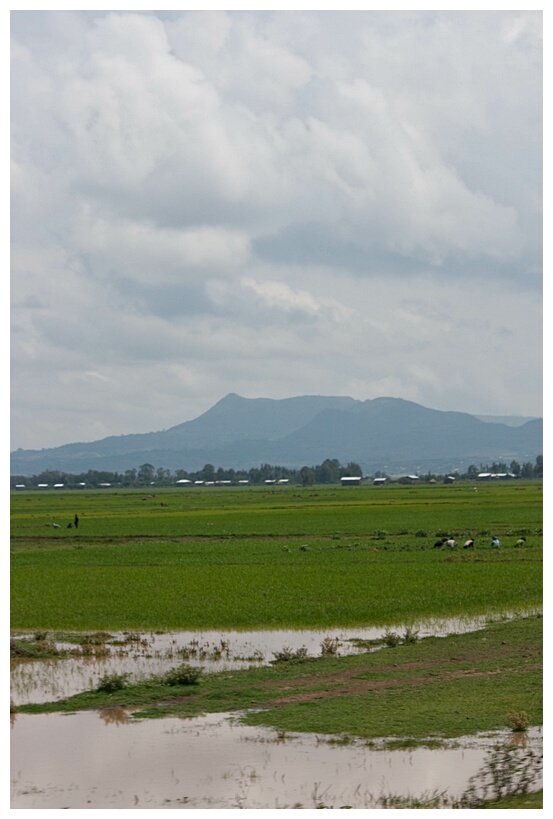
(248, 558)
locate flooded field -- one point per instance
(145, 654)
(109, 759)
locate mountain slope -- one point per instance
(383, 433)
(392, 431)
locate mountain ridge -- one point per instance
(379, 433)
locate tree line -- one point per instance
(329, 472)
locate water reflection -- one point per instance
(214, 762)
(114, 716)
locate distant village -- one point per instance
(329, 472)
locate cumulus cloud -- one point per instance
(144, 250)
(272, 203)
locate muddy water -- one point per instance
(107, 760)
(147, 654)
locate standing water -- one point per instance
(107, 759)
(147, 654)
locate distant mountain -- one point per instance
(380, 434)
(509, 420)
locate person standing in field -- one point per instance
(76, 522)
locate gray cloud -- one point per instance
(272, 203)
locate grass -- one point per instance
(522, 801)
(284, 511)
(273, 596)
(289, 558)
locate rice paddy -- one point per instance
(246, 558)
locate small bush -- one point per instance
(421, 533)
(391, 638)
(288, 655)
(329, 646)
(410, 636)
(112, 682)
(182, 675)
(518, 720)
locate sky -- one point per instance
(272, 203)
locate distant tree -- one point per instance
(352, 470)
(266, 473)
(514, 468)
(328, 471)
(50, 476)
(208, 473)
(129, 477)
(538, 469)
(307, 476)
(146, 473)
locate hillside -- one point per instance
(382, 433)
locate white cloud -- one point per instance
(143, 251)
(274, 204)
(280, 295)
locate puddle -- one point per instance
(214, 762)
(149, 653)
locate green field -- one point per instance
(286, 557)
